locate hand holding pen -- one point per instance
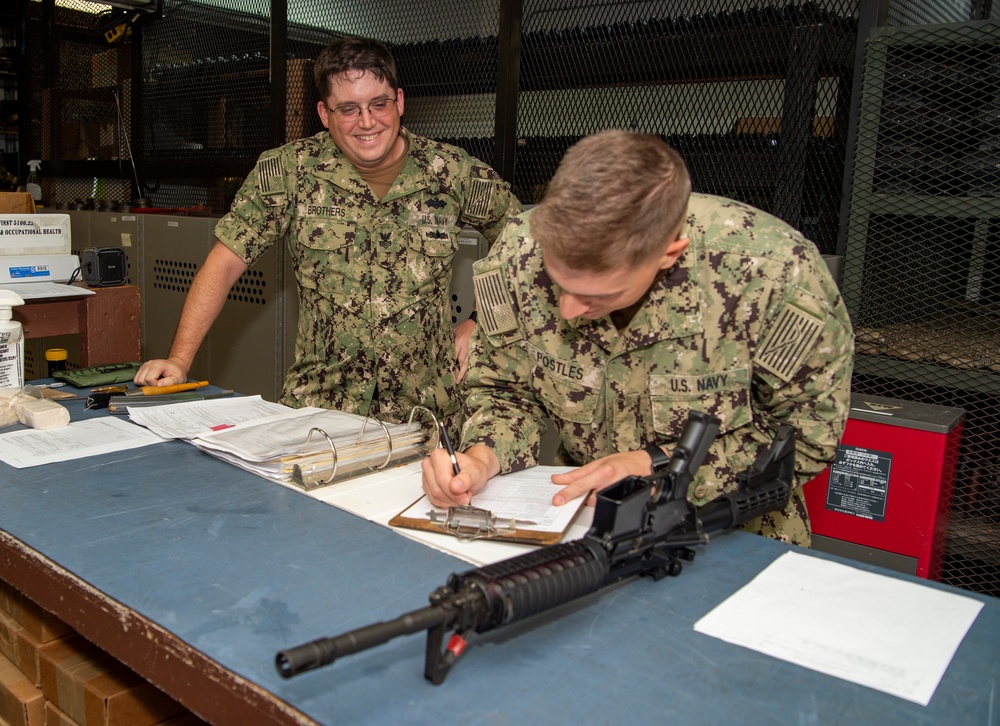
(441, 470)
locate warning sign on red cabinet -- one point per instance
(859, 482)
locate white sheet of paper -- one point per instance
(30, 447)
(524, 496)
(188, 419)
(41, 290)
(891, 635)
(381, 496)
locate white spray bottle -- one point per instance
(33, 187)
(11, 342)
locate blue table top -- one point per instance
(239, 568)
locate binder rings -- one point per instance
(377, 446)
(313, 448)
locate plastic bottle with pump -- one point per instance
(33, 187)
(11, 342)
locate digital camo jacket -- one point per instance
(374, 328)
(747, 326)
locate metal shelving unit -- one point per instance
(922, 266)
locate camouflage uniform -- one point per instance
(374, 330)
(747, 326)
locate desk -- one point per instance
(108, 322)
(195, 573)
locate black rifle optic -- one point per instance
(642, 526)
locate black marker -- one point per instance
(448, 447)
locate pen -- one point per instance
(448, 447)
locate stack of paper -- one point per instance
(311, 447)
(304, 447)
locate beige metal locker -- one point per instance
(246, 348)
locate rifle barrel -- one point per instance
(323, 651)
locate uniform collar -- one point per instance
(413, 177)
(673, 309)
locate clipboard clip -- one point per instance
(468, 523)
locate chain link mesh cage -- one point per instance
(10, 163)
(756, 95)
(922, 268)
(76, 102)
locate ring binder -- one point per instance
(313, 468)
(297, 471)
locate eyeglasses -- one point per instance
(351, 111)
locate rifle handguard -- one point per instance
(765, 487)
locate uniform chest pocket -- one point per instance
(566, 400)
(429, 251)
(725, 395)
(325, 252)
(435, 241)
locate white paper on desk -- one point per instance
(189, 419)
(380, 496)
(283, 433)
(877, 631)
(524, 496)
(30, 447)
(40, 290)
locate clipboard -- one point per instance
(472, 523)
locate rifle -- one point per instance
(642, 526)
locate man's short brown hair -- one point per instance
(614, 200)
(354, 54)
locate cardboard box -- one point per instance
(16, 203)
(35, 234)
(20, 647)
(21, 702)
(94, 689)
(184, 719)
(55, 717)
(43, 625)
(300, 109)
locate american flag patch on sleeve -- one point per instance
(269, 176)
(493, 304)
(788, 343)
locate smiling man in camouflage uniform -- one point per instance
(622, 302)
(371, 215)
